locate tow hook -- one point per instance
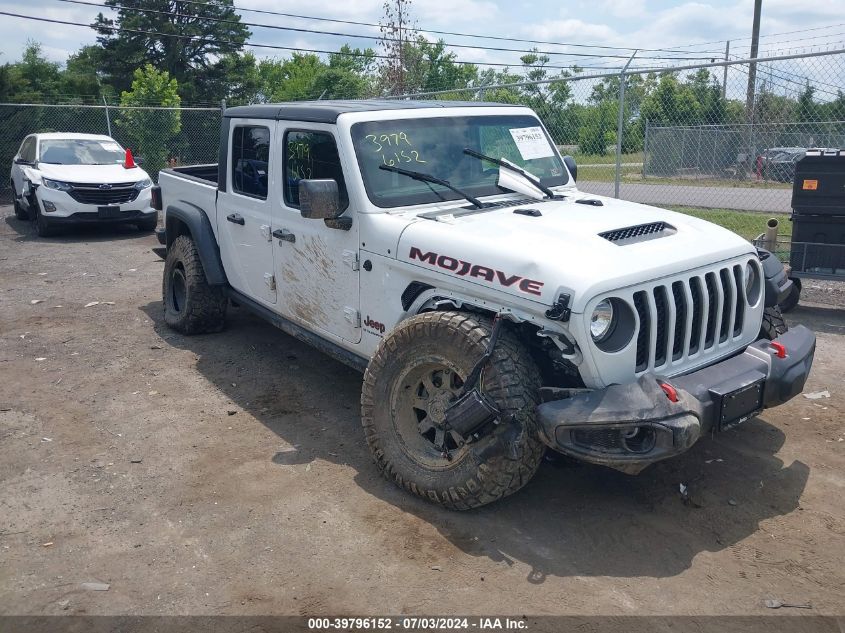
(560, 310)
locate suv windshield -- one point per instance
(80, 152)
(435, 146)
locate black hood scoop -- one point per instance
(639, 233)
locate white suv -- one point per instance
(61, 178)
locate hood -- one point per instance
(94, 174)
(561, 250)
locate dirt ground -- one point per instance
(227, 474)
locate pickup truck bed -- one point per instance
(206, 173)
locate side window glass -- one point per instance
(250, 160)
(311, 155)
(28, 150)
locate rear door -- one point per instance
(244, 209)
(316, 265)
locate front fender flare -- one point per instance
(199, 226)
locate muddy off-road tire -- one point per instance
(415, 372)
(191, 305)
(773, 323)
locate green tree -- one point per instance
(429, 67)
(81, 76)
(289, 79)
(150, 132)
(597, 128)
(806, 106)
(185, 40)
(34, 78)
(234, 78)
(346, 75)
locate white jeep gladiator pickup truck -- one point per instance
(443, 249)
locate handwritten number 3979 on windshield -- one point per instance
(397, 140)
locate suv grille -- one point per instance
(682, 318)
(118, 193)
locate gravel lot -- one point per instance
(227, 474)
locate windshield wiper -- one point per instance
(501, 163)
(418, 175)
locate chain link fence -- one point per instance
(691, 136)
(157, 136)
(697, 135)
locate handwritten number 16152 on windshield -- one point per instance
(395, 144)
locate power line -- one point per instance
(194, 38)
(436, 32)
(366, 37)
(771, 73)
(740, 39)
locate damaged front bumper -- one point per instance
(628, 427)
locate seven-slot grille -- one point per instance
(682, 318)
(116, 193)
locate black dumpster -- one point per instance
(819, 185)
(818, 214)
(818, 244)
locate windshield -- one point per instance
(435, 146)
(81, 152)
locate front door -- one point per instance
(244, 210)
(316, 265)
(26, 153)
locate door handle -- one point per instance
(285, 235)
(235, 218)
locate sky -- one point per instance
(698, 27)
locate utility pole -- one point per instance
(725, 70)
(752, 67)
(752, 86)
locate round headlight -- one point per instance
(601, 321)
(751, 282)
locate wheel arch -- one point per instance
(188, 219)
(419, 297)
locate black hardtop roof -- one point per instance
(328, 111)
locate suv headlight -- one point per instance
(602, 321)
(58, 185)
(143, 184)
(752, 283)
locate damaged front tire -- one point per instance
(417, 372)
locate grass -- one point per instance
(607, 159)
(634, 175)
(745, 223)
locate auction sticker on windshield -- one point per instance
(531, 142)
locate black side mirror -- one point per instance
(319, 199)
(571, 166)
(22, 161)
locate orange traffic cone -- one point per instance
(129, 163)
